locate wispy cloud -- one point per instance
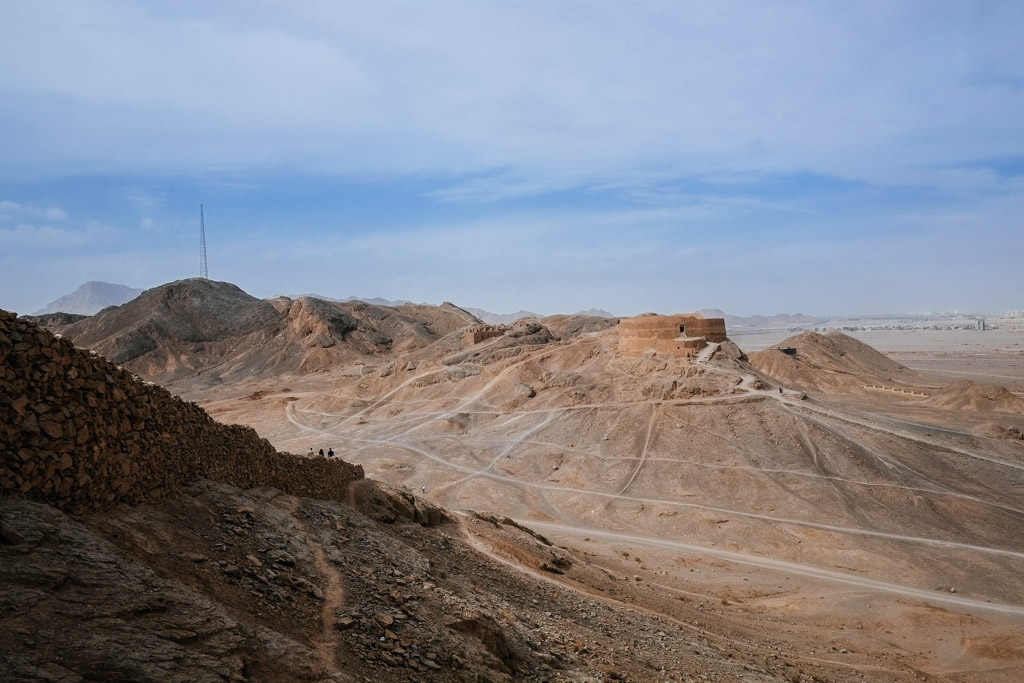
(48, 237)
(556, 93)
(13, 211)
(648, 151)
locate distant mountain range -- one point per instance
(90, 298)
(93, 297)
(484, 316)
(509, 318)
(500, 318)
(759, 321)
(372, 300)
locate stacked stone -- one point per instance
(79, 433)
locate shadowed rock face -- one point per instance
(84, 609)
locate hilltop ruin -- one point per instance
(680, 335)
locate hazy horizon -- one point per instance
(556, 156)
(822, 317)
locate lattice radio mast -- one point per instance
(202, 246)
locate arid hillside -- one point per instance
(844, 371)
(823, 502)
(830, 363)
(809, 511)
(209, 332)
(140, 540)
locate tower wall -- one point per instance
(676, 335)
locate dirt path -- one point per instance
(655, 414)
(835, 414)
(482, 472)
(807, 415)
(482, 547)
(334, 594)
(780, 565)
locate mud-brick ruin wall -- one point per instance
(660, 332)
(475, 335)
(79, 433)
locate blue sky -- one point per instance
(825, 157)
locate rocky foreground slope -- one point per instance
(140, 540)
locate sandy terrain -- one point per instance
(845, 532)
(820, 513)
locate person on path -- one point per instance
(321, 452)
(330, 452)
(310, 454)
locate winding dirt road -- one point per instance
(404, 434)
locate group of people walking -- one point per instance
(330, 453)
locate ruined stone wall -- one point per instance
(712, 329)
(77, 432)
(677, 335)
(477, 334)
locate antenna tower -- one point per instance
(202, 245)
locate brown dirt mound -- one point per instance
(997, 431)
(968, 395)
(832, 362)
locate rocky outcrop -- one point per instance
(198, 333)
(80, 433)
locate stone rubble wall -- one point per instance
(79, 433)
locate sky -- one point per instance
(758, 157)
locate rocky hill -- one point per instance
(968, 395)
(835, 364)
(832, 362)
(90, 298)
(217, 332)
(694, 517)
